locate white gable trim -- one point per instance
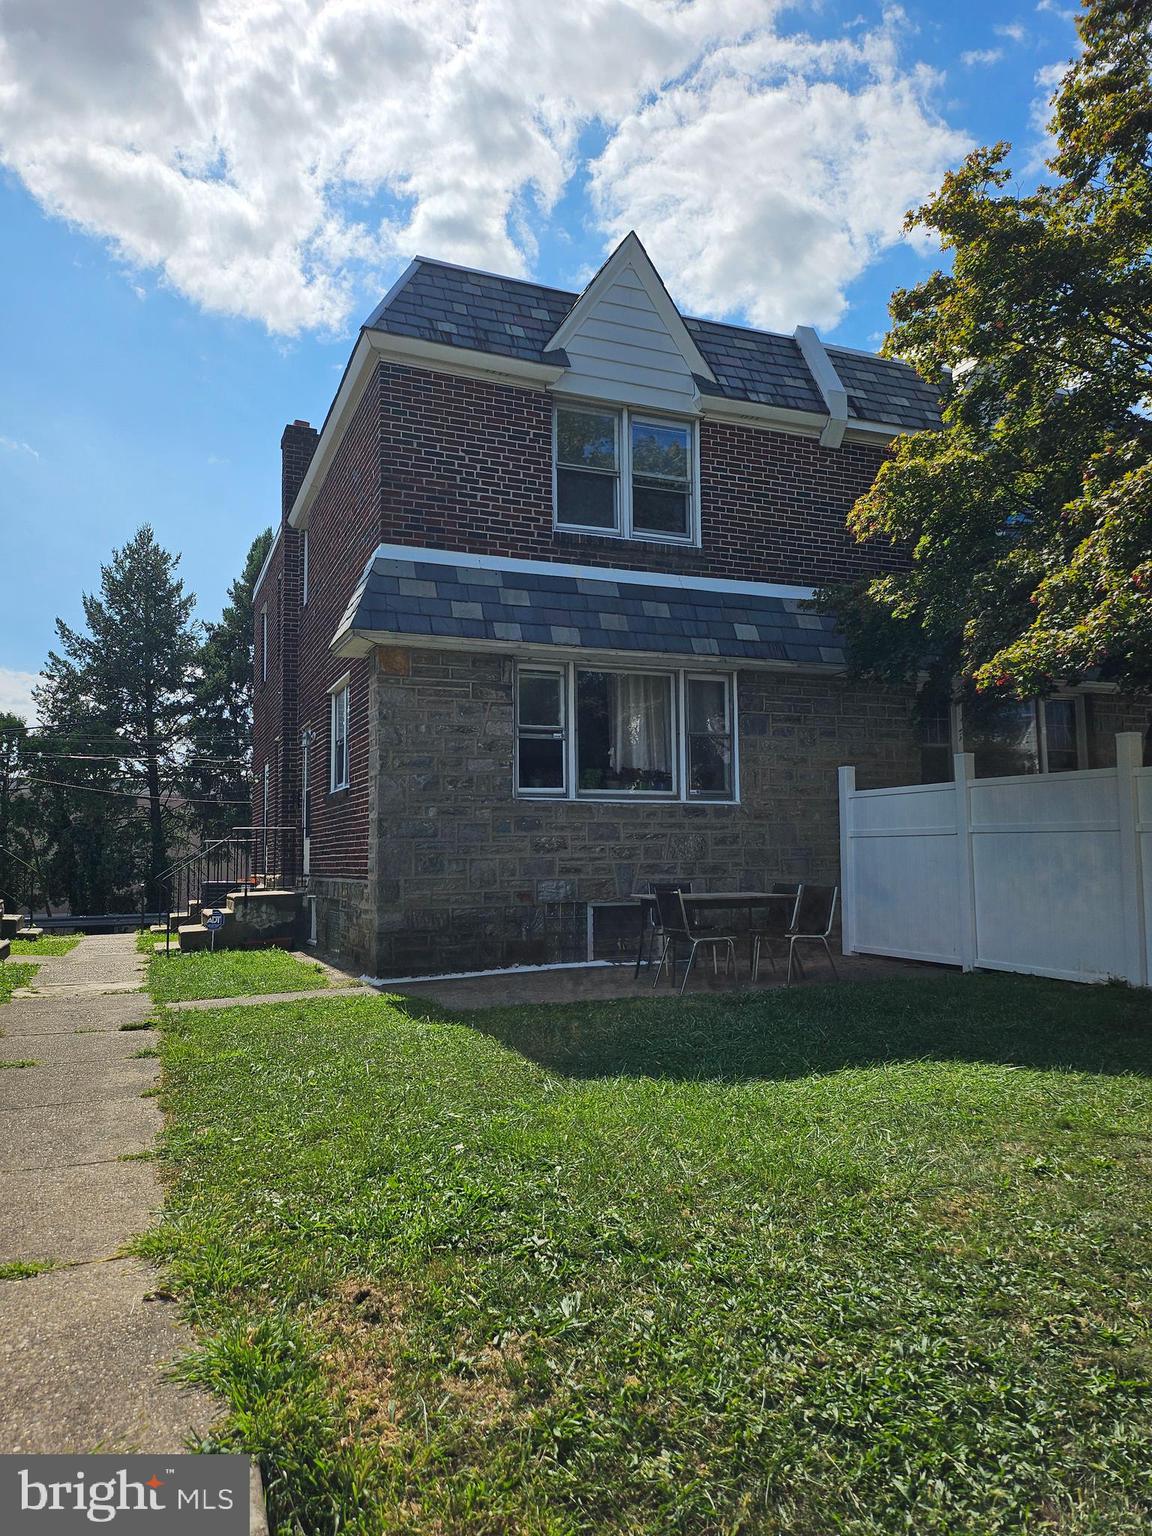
(630, 253)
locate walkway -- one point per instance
(83, 1347)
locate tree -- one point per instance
(1028, 518)
(220, 731)
(115, 704)
(15, 810)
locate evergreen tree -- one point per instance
(1029, 517)
(220, 731)
(115, 700)
(15, 811)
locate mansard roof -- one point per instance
(437, 596)
(508, 317)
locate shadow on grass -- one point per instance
(1015, 1021)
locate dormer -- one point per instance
(624, 339)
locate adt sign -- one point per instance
(214, 921)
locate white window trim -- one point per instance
(264, 643)
(342, 685)
(624, 530)
(304, 569)
(1041, 719)
(679, 794)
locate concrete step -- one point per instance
(29, 933)
(5, 948)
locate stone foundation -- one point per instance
(465, 876)
(345, 919)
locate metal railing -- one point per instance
(248, 859)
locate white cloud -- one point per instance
(771, 178)
(17, 445)
(1012, 30)
(16, 693)
(981, 56)
(274, 158)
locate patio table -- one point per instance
(711, 901)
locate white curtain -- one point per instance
(640, 723)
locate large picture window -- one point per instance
(612, 733)
(1005, 736)
(624, 473)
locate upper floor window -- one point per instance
(264, 644)
(304, 568)
(625, 473)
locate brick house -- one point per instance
(533, 628)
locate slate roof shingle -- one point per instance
(463, 602)
(509, 317)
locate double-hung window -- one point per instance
(625, 473)
(1005, 736)
(338, 757)
(611, 733)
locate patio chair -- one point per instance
(650, 929)
(816, 911)
(675, 927)
(780, 920)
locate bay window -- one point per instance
(624, 473)
(611, 733)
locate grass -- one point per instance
(24, 1271)
(859, 1260)
(42, 948)
(27, 1062)
(229, 973)
(14, 974)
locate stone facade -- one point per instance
(469, 876)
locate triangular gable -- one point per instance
(625, 340)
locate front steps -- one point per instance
(252, 920)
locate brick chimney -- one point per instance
(297, 446)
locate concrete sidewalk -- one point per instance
(84, 1346)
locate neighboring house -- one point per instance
(533, 630)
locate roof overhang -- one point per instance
(375, 347)
(358, 643)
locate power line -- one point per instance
(129, 794)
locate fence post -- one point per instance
(847, 779)
(1130, 757)
(963, 772)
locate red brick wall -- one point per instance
(452, 463)
(343, 531)
(468, 465)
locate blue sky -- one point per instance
(188, 245)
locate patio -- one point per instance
(583, 984)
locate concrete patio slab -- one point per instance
(82, 1362)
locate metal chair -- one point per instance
(650, 922)
(672, 918)
(782, 928)
(813, 924)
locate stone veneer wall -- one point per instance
(463, 875)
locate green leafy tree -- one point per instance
(220, 730)
(115, 703)
(1028, 519)
(17, 812)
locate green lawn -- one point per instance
(14, 974)
(50, 944)
(852, 1260)
(176, 978)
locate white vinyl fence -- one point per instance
(1048, 873)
